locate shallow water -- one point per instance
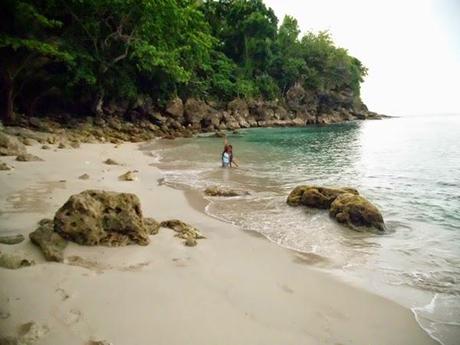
(408, 167)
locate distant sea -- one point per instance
(408, 166)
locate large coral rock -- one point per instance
(356, 212)
(51, 243)
(316, 197)
(10, 146)
(98, 217)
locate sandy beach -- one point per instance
(232, 288)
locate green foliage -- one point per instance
(96, 49)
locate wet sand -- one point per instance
(233, 288)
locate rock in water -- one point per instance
(4, 166)
(51, 243)
(316, 197)
(10, 146)
(219, 191)
(97, 217)
(27, 157)
(110, 161)
(356, 212)
(152, 226)
(14, 262)
(184, 231)
(11, 239)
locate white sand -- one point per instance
(233, 288)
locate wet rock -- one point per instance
(10, 146)
(316, 197)
(152, 226)
(96, 217)
(4, 166)
(14, 262)
(219, 134)
(110, 161)
(12, 239)
(27, 157)
(128, 176)
(225, 192)
(184, 231)
(84, 177)
(51, 243)
(356, 212)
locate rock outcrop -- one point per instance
(356, 212)
(344, 204)
(10, 145)
(51, 243)
(102, 218)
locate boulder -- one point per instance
(196, 110)
(96, 217)
(152, 226)
(10, 146)
(27, 157)
(51, 243)
(356, 212)
(11, 239)
(225, 192)
(175, 108)
(316, 197)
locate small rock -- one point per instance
(75, 144)
(4, 166)
(27, 157)
(152, 226)
(45, 147)
(84, 177)
(184, 231)
(51, 243)
(190, 242)
(61, 146)
(219, 134)
(31, 332)
(27, 141)
(128, 176)
(219, 191)
(14, 262)
(98, 342)
(110, 161)
(11, 239)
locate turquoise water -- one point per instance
(409, 167)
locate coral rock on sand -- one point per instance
(27, 157)
(316, 197)
(356, 212)
(84, 177)
(11, 239)
(10, 146)
(184, 231)
(14, 262)
(61, 146)
(29, 334)
(4, 166)
(45, 147)
(51, 243)
(219, 191)
(98, 217)
(152, 226)
(110, 161)
(98, 342)
(128, 176)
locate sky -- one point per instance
(411, 48)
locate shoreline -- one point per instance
(231, 280)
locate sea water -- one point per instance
(409, 167)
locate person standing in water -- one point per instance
(227, 156)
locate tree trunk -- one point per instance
(97, 103)
(6, 98)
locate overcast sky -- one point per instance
(411, 48)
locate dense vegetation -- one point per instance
(74, 54)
